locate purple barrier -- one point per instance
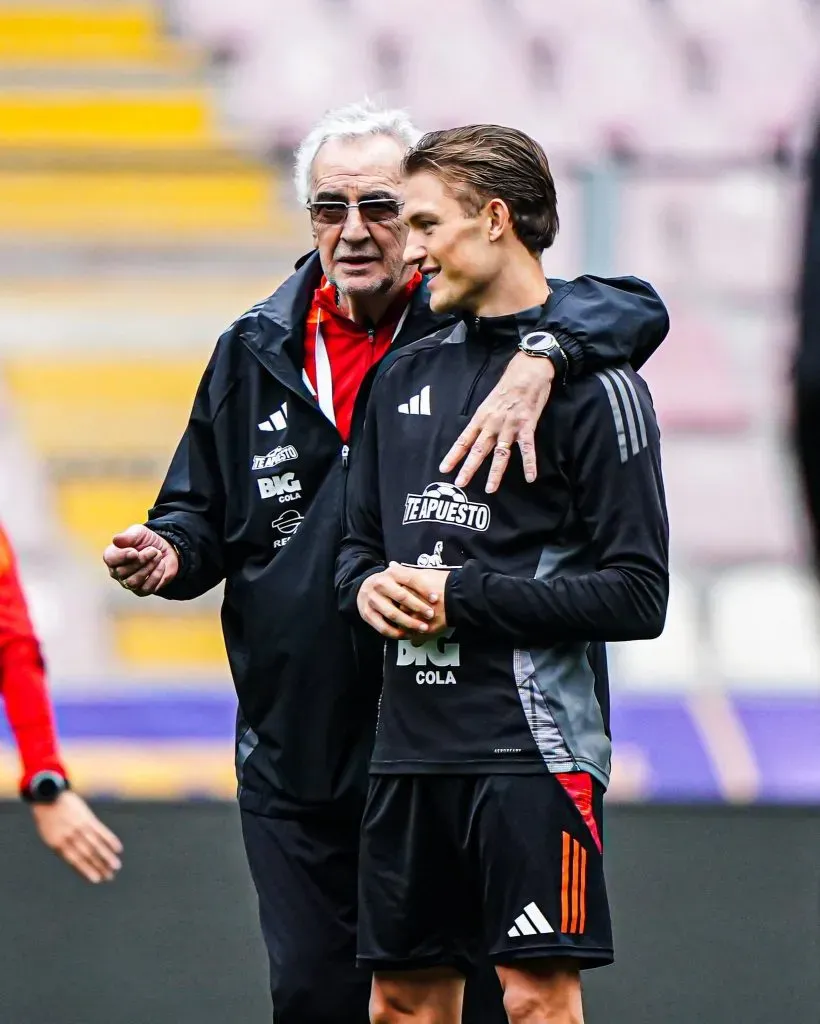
(701, 747)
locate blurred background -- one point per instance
(145, 201)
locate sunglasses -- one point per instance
(374, 211)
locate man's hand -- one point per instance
(71, 829)
(390, 608)
(141, 561)
(508, 415)
(427, 584)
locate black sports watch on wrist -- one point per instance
(543, 345)
(45, 787)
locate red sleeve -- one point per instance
(22, 675)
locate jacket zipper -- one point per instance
(481, 371)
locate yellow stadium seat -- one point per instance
(141, 205)
(161, 770)
(80, 32)
(150, 642)
(122, 119)
(87, 408)
(93, 509)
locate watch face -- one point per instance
(539, 341)
(45, 787)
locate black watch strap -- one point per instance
(543, 345)
(44, 787)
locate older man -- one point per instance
(254, 497)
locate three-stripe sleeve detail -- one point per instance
(630, 424)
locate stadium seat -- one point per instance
(141, 205)
(77, 409)
(766, 628)
(730, 500)
(694, 385)
(73, 33)
(91, 508)
(87, 118)
(165, 641)
(672, 662)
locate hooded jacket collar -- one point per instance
(279, 339)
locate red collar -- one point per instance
(324, 298)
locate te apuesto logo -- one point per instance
(442, 502)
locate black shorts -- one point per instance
(304, 870)
(456, 867)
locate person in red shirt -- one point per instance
(64, 821)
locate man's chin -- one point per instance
(368, 281)
(441, 302)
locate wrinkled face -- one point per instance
(448, 243)
(363, 254)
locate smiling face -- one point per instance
(450, 243)
(361, 257)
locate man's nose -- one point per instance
(414, 251)
(354, 229)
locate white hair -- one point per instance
(350, 122)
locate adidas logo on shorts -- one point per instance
(530, 922)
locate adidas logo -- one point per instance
(531, 922)
(419, 405)
(277, 420)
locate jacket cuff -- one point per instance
(573, 350)
(180, 543)
(349, 596)
(47, 764)
(454, 589)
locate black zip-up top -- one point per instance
(253, 497)
(540, 574)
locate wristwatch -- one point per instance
(544, 345)
(44, 787)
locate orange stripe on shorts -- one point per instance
(565, 883)
(576, 858)
(583, 916)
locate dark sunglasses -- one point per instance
(374, 211)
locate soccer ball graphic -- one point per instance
(441, 489)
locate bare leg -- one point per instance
(429, 996)
(545, 991)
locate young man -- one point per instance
(482, 832)
(253, 496)
(64, 821)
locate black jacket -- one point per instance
(540, 574)
(307, 683)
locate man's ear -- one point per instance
(498, 214)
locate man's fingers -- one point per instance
(526, 444)
(115, 557)
(372, 618)
(501, 459)
(152, 582)
(397, 593)
(461, 446)
(107, 836)
(104, 857)
(90, 853)
(128, 538)
(136, 580)
(482, 446)
(81, 864)
(391, 613)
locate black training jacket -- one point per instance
(541, 574)
(253, 496)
